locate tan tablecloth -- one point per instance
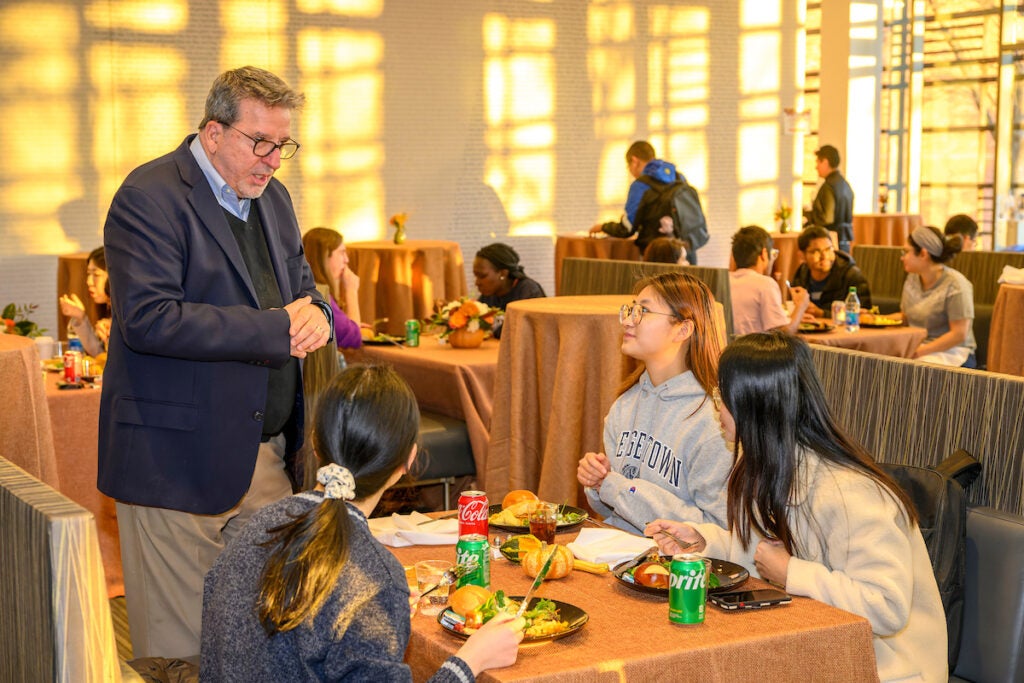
(559, 371)
(886, 341)
(25, 421)
(790, 257)
(458, 383)
(629, 636)
(884, 228)
(403, 281)
(583, 246)
(75, 420)
(71, 280)
(1006, 337)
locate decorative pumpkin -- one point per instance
(561, 563)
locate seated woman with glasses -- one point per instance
(93, 335)
(809, 510)
(827, 274)
(756, 297)
(664, 453)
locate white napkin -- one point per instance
(399, 531)
(610, 546)
(1012, 276)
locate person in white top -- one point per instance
(810, 510)
(756, 298)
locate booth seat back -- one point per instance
(992, 639)
(55, 620)
(582, 276)
(911, 413)
(883, 269)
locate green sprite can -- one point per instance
(687, 589)
(412, 332)
(474, 552)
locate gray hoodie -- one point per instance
(666, 460)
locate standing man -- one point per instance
(213, 306)
(756, 297)
(833, 206)
(641, 161)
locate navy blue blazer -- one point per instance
(185, 382)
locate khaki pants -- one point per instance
(166, 554)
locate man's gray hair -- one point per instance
(247, 82)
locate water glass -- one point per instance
(430, 573)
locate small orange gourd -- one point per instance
(561, 563)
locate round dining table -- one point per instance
(586, 246)
(885, 229)
(405, 281)
(559, 371)
(1006, 335)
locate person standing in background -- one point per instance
(214, 306)
(833, 206)
(641, 161)
(328, 259)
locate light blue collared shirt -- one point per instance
(226, 197)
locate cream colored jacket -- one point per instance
(857, 552)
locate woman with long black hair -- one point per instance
(810, 510)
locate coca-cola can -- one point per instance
(473, 513)
(72, 367)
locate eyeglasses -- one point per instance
(264, 148)
(634, 313)
(819, 253)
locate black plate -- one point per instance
(894, 323)
(729, 576)
(815, 328)
(390, 341)
(525, 528)
(570, 613)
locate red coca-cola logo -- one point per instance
(473, 511)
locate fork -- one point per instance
(450, 576)
(683, 545)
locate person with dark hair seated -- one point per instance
(501, 280)
(810, 511)
(305, 592)
(965, 226)
(93, 335)
(827, 274)
(756, 298)
(666, 250)
(938, 298)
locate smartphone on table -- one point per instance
(752, 599)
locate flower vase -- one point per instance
(784, 225)
(400, 234)
(464, 339)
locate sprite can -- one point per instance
(687, 589)
(473, 553)
(412, 332)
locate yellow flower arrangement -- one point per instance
(782, 215)
(398, 220)
(463, 313)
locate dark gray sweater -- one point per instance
(360, 633)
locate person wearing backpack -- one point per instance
(651, 204)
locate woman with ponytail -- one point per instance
(305, 593)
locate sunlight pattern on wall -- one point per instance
(519, 119)
(342, 124)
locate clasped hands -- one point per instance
(309, 328)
